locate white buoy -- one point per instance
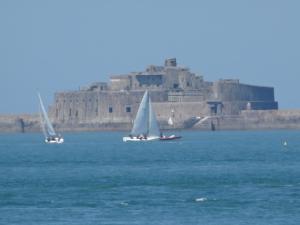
(285, 143)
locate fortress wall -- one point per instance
(92, 107)
(180, 111)
(235, 107)
(19, 123)
(264, 105)
(255, 120)
(187, 96)
(99, 107)
(246, 120)
(120, 82)
(273, 115)
(171, 77)
(233, 91)
(271, 119)
(12, 118)
(117, 102)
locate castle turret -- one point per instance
(171, 62)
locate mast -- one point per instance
(148, 118)
(42, 122)
(50, 130)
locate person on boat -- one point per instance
(162, 135)
(130, 135)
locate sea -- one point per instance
(221, 177)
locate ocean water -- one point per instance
(246, 177)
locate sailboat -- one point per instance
(170, 121)
(50, 135)
(171, 137)
(145, 126)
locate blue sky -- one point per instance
(60, 45)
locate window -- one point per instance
(110, 109)
(76, 113)
(70, 112)
(175, 86)
(128, 109)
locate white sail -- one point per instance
(145, 122)
(141, 122)
(49, 130)
(42, 123)
(153, 125)
(170, 121)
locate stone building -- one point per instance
(175, 91)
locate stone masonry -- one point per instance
(175, 92)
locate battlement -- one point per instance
(166, 77)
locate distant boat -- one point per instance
(50, 135)
(170, 121)
(171, 137)
(145, 126)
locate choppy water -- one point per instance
(205, 178)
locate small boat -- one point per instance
(145, 126)
(170, 121)
(50, 135)
(169, 138)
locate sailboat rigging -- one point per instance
(47, 128)
(170, 123)
(145, 126)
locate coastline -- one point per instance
(246, 120)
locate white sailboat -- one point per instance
(50, 135)
(145, 126)
(170, 121)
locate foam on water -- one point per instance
(200, 199)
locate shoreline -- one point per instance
(246, 120)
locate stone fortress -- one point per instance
(175, 92)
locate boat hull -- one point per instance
(55, 141)
(135, 139)
(169, 138)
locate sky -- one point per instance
(59, 45)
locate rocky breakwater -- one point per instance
(253, 120)
(19, 123)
